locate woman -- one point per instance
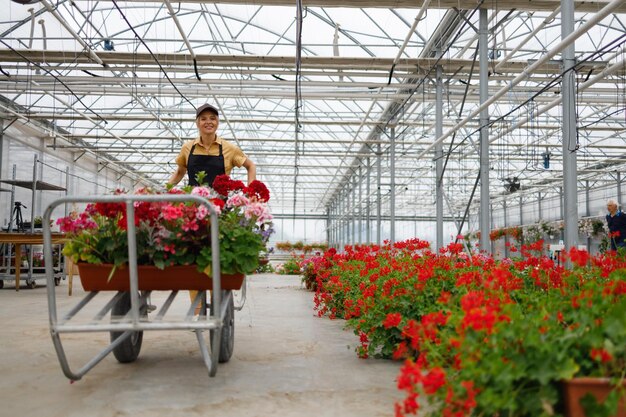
(209, 152)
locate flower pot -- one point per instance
(264, 261)
(577, 388)
(95, 277)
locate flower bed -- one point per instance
(173, 233)
(480, 336)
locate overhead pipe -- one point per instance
(32, 27)
(418, 18)
(599, 77)
(539, 27)
(180, 28)
(43, 31)
(605, 11)
(78, 39)
(376, 95)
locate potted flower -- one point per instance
(485, 337)
(171, 236)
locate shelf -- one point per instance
(40, 185)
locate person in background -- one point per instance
(616, 220)
(209, 152)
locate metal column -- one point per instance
(33, 200)
(619, 187)
(328, 232)
(569, 129)
(521, 211)
(378, 194)
(392, 191)
(506, 224)
(587, 212)
(348, 199)
(368, 190)
(360, 200)
(439, 158)
(483, 218)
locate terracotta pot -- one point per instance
(93, 277)
(577, 388)
(263, 261)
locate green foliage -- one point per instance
(291, 267)
(239, 247)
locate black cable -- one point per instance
(550, 84)
(467, 85)
(413, 90)
(87, 108)
(91, 73)
(6, 74)
(467, 207)
(151, 53)
(195, 65)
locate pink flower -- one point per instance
(259, 211)
(202, 212)
(201, 191)
(237, 200)
(190, 225)
(171, 212)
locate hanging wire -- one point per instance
(557, 80)
(151, 53)
(87, 108)
(298, 100)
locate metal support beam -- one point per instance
(483, 215)
(619, 187)
(439, 158)
(360, 208)
(368, 211)
(570, 140)
(506, 224)
(521, 210)
(379, 155)
(392, 192)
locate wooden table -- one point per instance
(19, 239)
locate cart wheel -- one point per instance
(31, 284)
(227, 341)
(1, 283)
(57, 281)
(129, 349)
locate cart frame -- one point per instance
(136, 320)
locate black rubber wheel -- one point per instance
(1, 283)
(57, 281)
(227, 341)
(129, 349)
(31, 284)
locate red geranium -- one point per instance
(259, 190)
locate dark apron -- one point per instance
(211, 165)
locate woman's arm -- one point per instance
(251, 167)
(177, 176)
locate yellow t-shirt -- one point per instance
(233, 156)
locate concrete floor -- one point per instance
(287, 362)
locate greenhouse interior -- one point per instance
(426, 174)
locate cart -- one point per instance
(131, 312)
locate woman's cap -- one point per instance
(206, 107)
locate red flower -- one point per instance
(434, 380)
(259, 190)
(392, 320)
(601, 355)
(223, 185)
(579, 257)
